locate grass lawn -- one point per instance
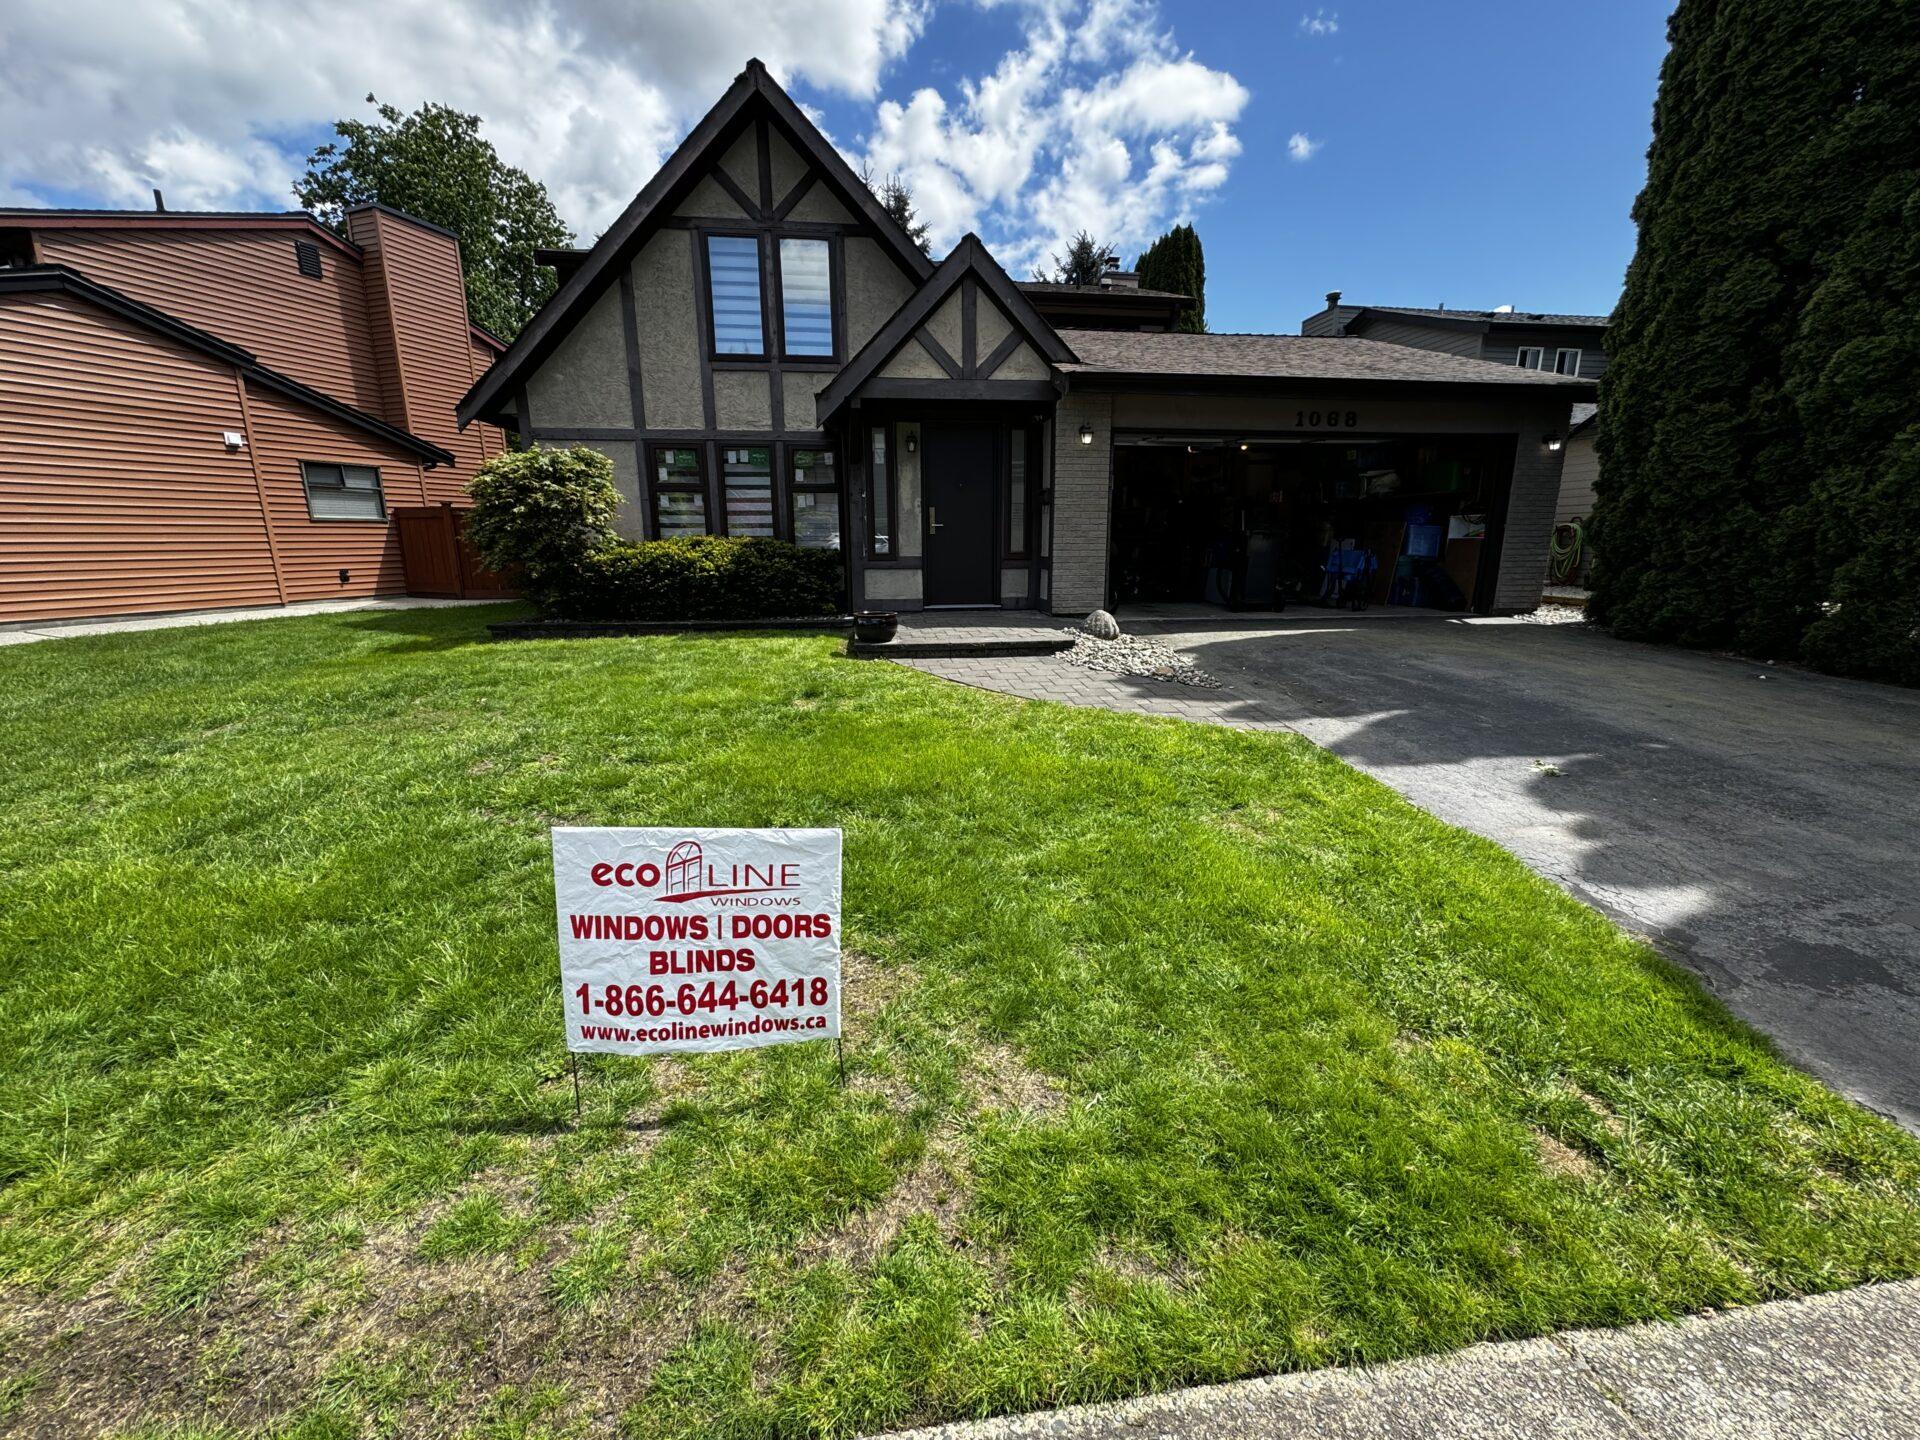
(1175, 1055)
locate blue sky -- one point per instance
(1468, 154)
(1403, 151)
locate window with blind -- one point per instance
(746, 474)
(679, 491)
(806, 297)
(733, 285)
(342, 492)
(815, 494)
(1016, 507)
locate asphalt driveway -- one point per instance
(1761, 826)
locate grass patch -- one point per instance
(1176, 1055)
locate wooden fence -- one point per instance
(438, 558)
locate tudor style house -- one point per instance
(761, 350)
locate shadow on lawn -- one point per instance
(440, 628)
(1758, 832)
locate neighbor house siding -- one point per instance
(244, 287)
(1530, 511)
(1500, 348)
(1443, 338)
(116, 491)
(1579, 469)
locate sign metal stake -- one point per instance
(573, 1063)
(840, 1052)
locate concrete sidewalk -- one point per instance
(28, 633)
(1844, 1366)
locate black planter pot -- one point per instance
(875, 627)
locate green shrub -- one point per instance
(544, 513)
(703, 577)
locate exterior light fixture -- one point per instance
(233, 440)
(1554, 442)
(1086, 434)
(1243, 444)
(913, 443)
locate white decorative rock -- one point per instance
(1102, 626)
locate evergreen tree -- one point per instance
(1176, 262)
(1086, 261)
(433, 164)
(897, 200)
(1759, 420)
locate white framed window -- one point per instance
(1566, 362)
(1529, 357)
(342, 492)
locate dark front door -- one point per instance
(962, 475)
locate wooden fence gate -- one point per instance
(439, 560)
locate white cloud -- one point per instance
(1097, 121)
(103, 100)
(1094, 119)
(1299, 147)
(1320, 23)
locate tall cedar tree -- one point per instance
(1759, 429)
(1175, 262)
(434, 164)
(1086, 262)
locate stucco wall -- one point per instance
(875, 289)
(584, 381)
(1082, 478)
(669, 326)
(742, 400)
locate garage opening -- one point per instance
(1347, 523)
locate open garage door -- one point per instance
(1256, 525)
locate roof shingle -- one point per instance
(1287, 357)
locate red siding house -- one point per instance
(204, 410)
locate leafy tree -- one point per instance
(541, 513)
(1176, 262)
(1086, 262)
(893, 194)
(434, 164)
(1759, 430)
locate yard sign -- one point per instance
(697, 939)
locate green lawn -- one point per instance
(1175, 1055)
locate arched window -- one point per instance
(683, 867)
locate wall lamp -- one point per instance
(1554, 442)
(1086, 434)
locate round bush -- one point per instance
(543, 513)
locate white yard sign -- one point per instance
(698, 939)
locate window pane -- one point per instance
(1567, 362)
(360, 477)
(816, 519)
(682, 512)
(907, 539)
(814, 468)
(328, 475)
(806, 297)
(733, 267)
(343, 492)
(676, 467)
(879, 507)
(748, 476)
(1017, 496)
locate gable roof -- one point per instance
(968, 259)
(753, 90)
(61, 279)
(1126, 357)
(37, 218)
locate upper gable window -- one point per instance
(733, 283)
(1566, 362)
(806, 297)
(1527, 357)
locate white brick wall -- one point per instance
(1082, 482)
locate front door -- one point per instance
(962, 483)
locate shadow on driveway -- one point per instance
(1762, 826)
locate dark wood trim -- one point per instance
(726, 232)
(821, 229)
(938, 353)
(1012, 392)
(764, 155)
(835, 293)
(1009, 343)
(795, 196)
(584, 432)
(630, 332)
(969, 314)
(703, 317)
(726, 182)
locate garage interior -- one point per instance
(1343, 522)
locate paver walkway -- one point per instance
(1835, 1367)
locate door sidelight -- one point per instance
(933, 524)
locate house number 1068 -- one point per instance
(1308, 419)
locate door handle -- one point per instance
(932, 524)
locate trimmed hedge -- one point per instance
(702, 577)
